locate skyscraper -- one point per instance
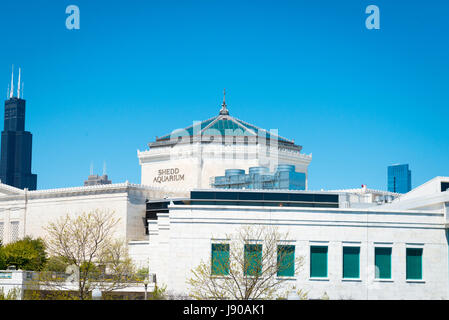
(399, 178)
(16, 144)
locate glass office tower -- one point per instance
(399, 178)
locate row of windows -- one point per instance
(318, 261)
(252, 264)
(351, 262)
(263, 196)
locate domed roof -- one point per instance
(226, 126)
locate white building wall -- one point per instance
(191, 230)
(43, 211)
(138, 251)
(13, 280)
(198, 163)
(33, 211)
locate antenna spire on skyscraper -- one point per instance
(11, 92)
(18, 86)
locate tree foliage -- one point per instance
(142, 273)
(86, 245)
(25, 254)
(56, 264)
(251, 269)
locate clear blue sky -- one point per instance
(358, 99)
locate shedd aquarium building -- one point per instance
(203, 182)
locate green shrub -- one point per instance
(56, 264)
(26, 254)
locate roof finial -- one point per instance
(224, 110)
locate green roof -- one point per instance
(224, 125)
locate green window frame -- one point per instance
(220, 259)
(414, 263)
(286, 261)
(382, 262)
(351, 262)
(253, 260)
(318, 261)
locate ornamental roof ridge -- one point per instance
(105, 187)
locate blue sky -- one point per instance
(357, 99)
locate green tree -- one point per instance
(26, 254)
(56, 264)
(96, 259)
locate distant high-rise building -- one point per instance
(399, 178)
(95, 179)
(16, 144)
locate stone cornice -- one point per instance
(250, 140)
(235, 209)
(9, 190)
(240, 151)
(86, 190)
(148, 191)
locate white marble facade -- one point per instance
(182, 238)
(26, 213)
(192, 165)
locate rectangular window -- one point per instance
(382, 261)
(351, 262)
(414, 263)
(253, 259)
(220, 259)
(318, 261)
(286, 261)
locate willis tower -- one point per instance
(16, 143)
